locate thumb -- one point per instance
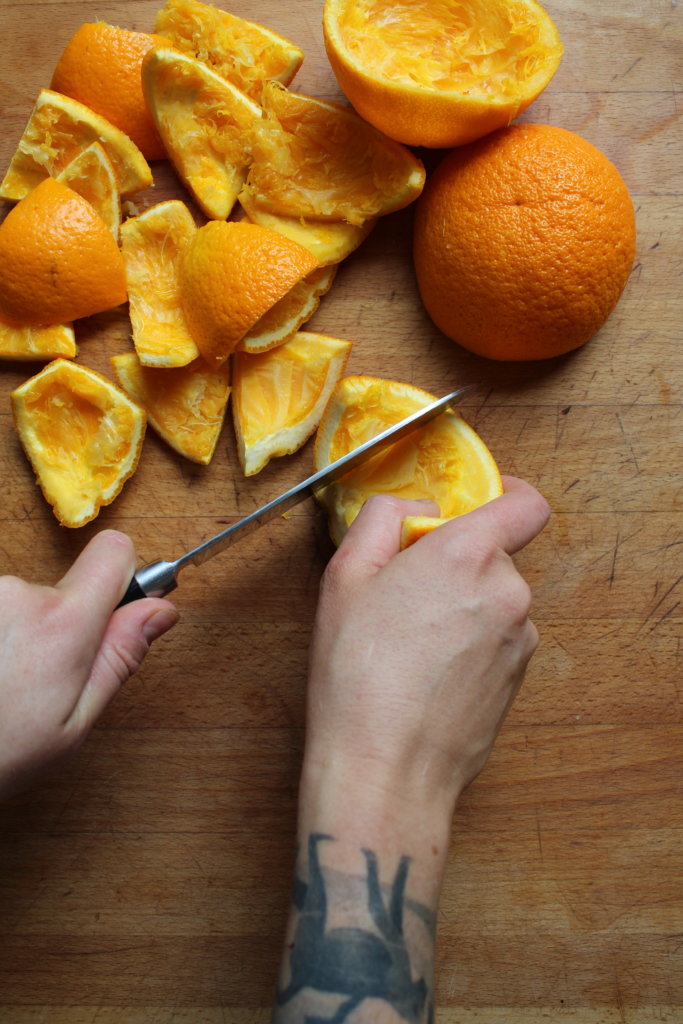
(374, 536)
(125, 642)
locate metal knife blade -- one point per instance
(160, 578)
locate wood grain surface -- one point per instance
(148, 881)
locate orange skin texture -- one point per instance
(102, 67)
(230, 274)
(523, 243)
(58, 259)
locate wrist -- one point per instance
(369, 803)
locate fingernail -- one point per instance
(159, 623)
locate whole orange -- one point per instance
(101, 67)
(523, 242)
(58, 259)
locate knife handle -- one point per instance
(154, 580)
(134, 592)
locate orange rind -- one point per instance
(82, 435)
(279, 396)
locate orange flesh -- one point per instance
(317, 159)
(479, 48)
(279, 393)
(82, 444)
(241, 51)
(444, 461)
(211, 136)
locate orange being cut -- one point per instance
(37, 343)
(81, 434)
(185, 405)
(58, 260)
(330, 241)
(414, 527)
(242, 52)
(230, 274)
(58, 129)
(92, 175)
(279, 396)
(431, 73)
(523, 243)
(444, 460)
(284, 319)
(205, 123)
(151, 244)
(317, 159)
(100, 67)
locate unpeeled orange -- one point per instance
(444, 460)
(100, 67)
(230, 274)
(524, 241)
(58, 259)
(435, 73)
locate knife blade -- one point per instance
(159, 578)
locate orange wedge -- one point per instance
(82, 435)
(34, 343)
(242, 52)
(279, 397)
(284, 319)
(414, 527)
(330, 241)
(445, 460)
(436, 74)
(205, 125)
(151, 244)
(185, 406)
(58, 260)
(317, 159)
(57, 130)
(230, 274)
(92, 175)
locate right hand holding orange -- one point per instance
(417, 655)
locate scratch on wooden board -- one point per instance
(651, 614)
(628, 441)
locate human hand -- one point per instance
(418, 654)
(65, 652)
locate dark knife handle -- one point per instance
(154, 580)
(134, 592)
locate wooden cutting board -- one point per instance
(149, 880)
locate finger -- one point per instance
(98, 578)
(374, 536)
(129, 634)
(513, 519)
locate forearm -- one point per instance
(362, 928)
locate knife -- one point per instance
(160, 578)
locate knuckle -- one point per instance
(516, 596)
